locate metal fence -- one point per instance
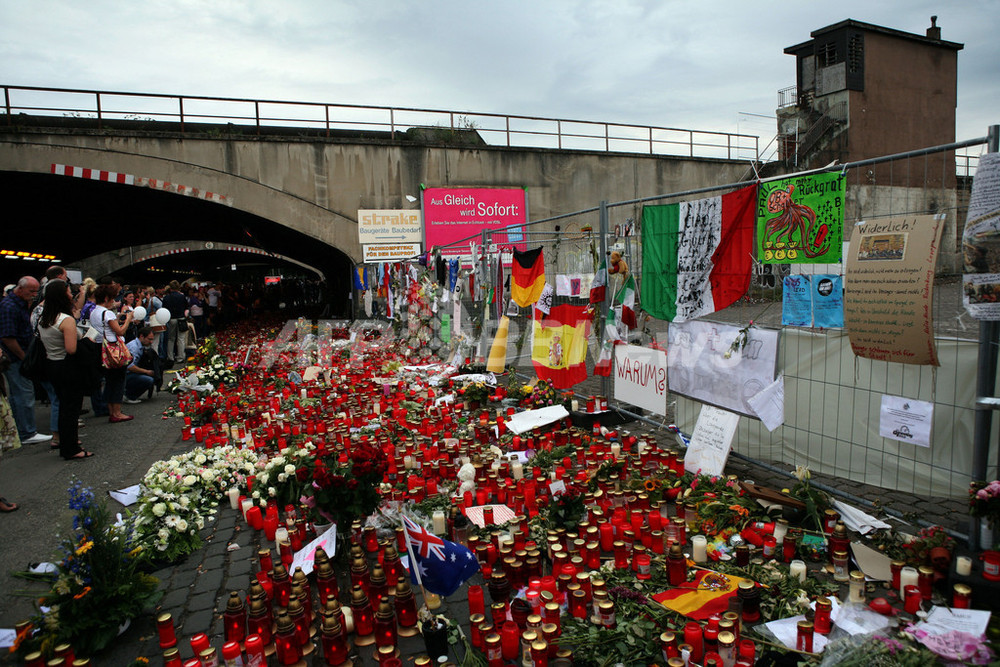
(207, 116)
(832, 416)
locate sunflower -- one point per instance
(651, 485)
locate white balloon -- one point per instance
(162, 316)
(139, 314)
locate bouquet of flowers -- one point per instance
(541, 395)
(341, 488)
(284, 477)
(215, 371)
(99, 585)
(180, 494)
(984, 501)
(566, 510)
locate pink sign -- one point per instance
(453, 214)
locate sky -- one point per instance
(697, 65)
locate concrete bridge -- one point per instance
(89, 187)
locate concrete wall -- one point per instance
(317, 187)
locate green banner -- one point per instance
(800, 220)
(446, 327)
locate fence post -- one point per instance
(986, 379)
(603, 231)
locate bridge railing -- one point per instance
(201, 114)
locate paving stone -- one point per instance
(226, 520)
(174, 599)
(216, 548)
(199, 621)
(240, 567)
(202, 600)
(214, 562)
(185, 577)
(210, 581)
(240, 582)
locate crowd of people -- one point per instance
(74, 324)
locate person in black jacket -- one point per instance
(175, 301)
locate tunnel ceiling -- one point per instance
(74, 219)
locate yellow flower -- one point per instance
(84, 547)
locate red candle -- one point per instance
(693, 637)
(165, 628)
(477, 604)
(254, 518)
(607, 536)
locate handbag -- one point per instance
(33, 364)
(114, 354)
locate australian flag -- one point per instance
(444, 566)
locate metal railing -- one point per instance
(193, 113)
(788, 97)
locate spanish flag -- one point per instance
(708, 594)
(559, 345)
(527, 273)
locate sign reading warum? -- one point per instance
(641, 377)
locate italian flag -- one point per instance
(626, 299)
(697, 255)
(598, 288)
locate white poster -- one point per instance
(711, 441)
(704, 364)
(641, 377)
(906, 420)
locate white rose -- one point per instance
(190, 480)
(163, 534)
(289, 469)
(182, 525)
(271, 491)
(200, 459)
(185, 501)
(207, 475)
(255, 495)
(159, 509)
(282, 477)
(262, 478)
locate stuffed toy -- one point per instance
(618, 265)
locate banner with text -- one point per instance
(800, 220)
(705, 362)
(889, 286)
(389, 226)
(981, 242)
(641, 377)
(453, 214)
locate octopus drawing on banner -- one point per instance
(793, 220)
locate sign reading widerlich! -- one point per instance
(389, 252)
(389, 226)
(454, 214)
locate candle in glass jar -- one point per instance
(963, 566)
(699, 548)
(616, 450)
(234, 497)
(439, 522)
(908, 576)
(245, 505)
(797, 568)
(517, 468)
(281, 534)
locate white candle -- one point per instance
(616, 450)
(574, 405)
(780, 528)
(797, 568)
(245, 505)
(302, 393)
(963, 566)
(699, 548)
(408, 462)
(908, 576)
(234, 497)
(439, 525)
(280, 535)
(518, 469)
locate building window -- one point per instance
(826, 54)
(856, 54)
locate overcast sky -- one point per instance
(664, 63)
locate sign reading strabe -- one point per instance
(389, 252)
(389, 226)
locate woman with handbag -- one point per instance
(114, 355)
(57, 331)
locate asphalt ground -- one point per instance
(195, 590)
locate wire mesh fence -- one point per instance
(832, 397)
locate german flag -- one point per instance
(527, 273)
(559, 346)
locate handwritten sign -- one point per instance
(981, 242)
(711, 441)
(702, 365)
(889, 288)
(641, 377)
(304, 557)
(796, 302)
